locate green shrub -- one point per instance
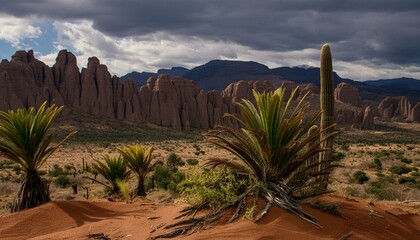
(56, 171)
(174, 160)
(162, 174)
(406, 180)
(382, 191)
(62, 181)
(338, 156)
(124, 188)
(175, 179)
(400, 169)
(415, 174)
(406, 160)
(390, 179)
(345, 147)
(192, 161)
(360, 177)
(17, 169)
(217, 187)
(378, 163)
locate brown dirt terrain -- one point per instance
(77, 219)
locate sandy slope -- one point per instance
(76, 219)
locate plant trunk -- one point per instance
(32, 192)
(140, 189)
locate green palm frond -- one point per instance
(273, 142)
(24, 139)
(112, 169)
(139, 160)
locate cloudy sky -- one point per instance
(369, 39)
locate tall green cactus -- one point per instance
(327, 107)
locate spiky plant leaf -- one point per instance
(24, 139)
(139, 160)
(112, 169)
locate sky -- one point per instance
(369, 39)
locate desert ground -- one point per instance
(386, 206)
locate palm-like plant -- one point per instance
(24, 139)
(274, 146)
(112, 169)
(139, 160)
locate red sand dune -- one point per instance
(77, 219)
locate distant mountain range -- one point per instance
(217, 74)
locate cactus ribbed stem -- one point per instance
(327, 106)
(314, 159)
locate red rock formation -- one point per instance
(67, 78)
(394, 107)
(26, 82)
(346, 93)
(415, 113)
(176, 103)
(368, 122)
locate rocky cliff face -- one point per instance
(170, 102)
(346, 93)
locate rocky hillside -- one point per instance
(218, 74)
(170, 102)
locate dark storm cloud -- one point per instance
(382, 31)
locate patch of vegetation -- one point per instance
(192, 161)
(62, 181)
(403, 180)
(217, 187)
(174, 161)
(360, 177)
(382, 190)
(167, 177)
(120, 132)
(337, 156)
(345, 147)
(378, 163)
(406, 160)
(56, 171)
(400, 169)
(112, 169)
(17, 169)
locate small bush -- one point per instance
(174, 161)
(56, 171)
(415, 174)
(360, 177)
(17, 169)
(176, 178)
(378, 163)
(345, 147)
(400, 169)
(124, 188)
(162, 174)
(406, 180)
(217, 187)
(382, 191)
(167, 178)
(406, 160)
(338, 156)
(62, 181)
(192, 161)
